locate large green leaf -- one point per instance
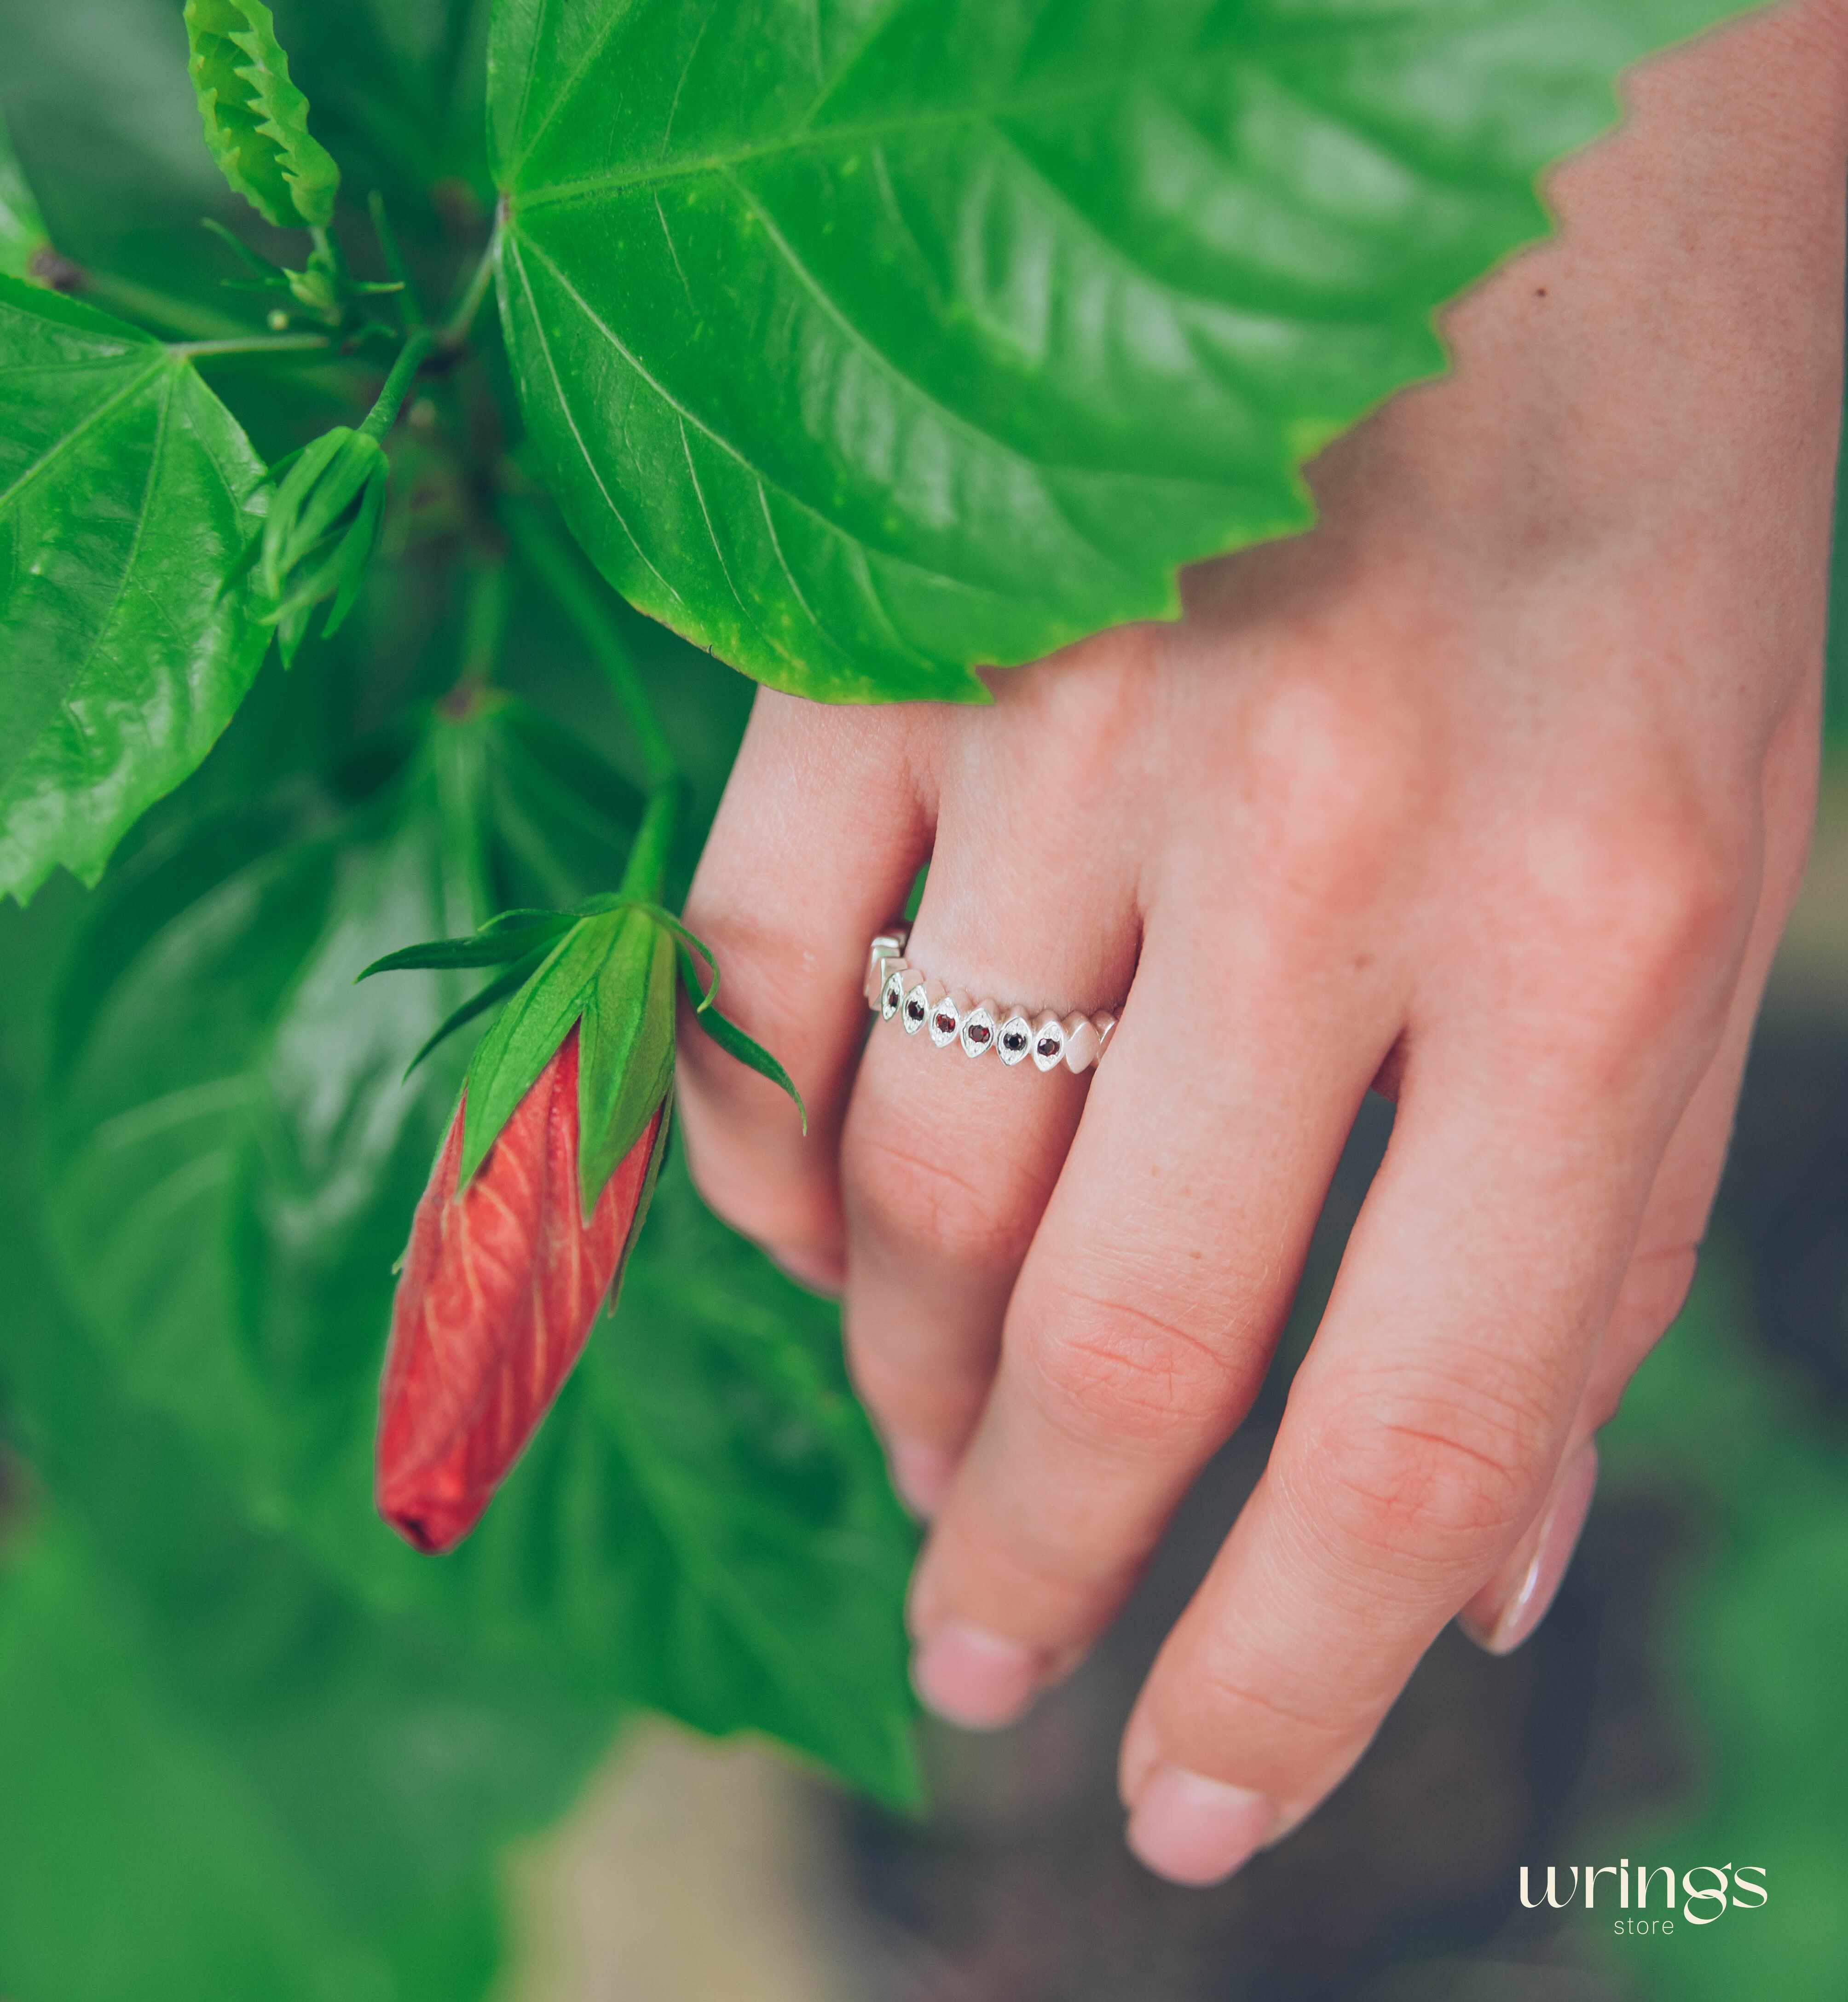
(704, 1522)
(867, 341)
(724, 1384)
(127, 493)
(233, 1149)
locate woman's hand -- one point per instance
(1492, 793)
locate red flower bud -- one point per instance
(495, 1304)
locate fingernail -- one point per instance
(922, 1474)
(974, 1678)
(1501, 1629)
(1194, 1830)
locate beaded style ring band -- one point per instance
(898, 990)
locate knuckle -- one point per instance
(1112, 1374)
(1056, 738)
(1655, 1290)
(1332, 783)
(1091, 699)
(926, 1398)
(1061, 1586)
(1236, 1699)
(1425, 1474)
(1644, 908)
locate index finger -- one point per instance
(822, 828)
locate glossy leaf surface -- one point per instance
(256, 119)
(233, 1127)
(127, 493)
(870, 341)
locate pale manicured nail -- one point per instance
(1194, 1830)
(974, 1678)
(922, 1474)
(1507, 1626)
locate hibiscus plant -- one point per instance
(389, 488)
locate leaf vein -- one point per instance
(712, 535)
(558, 391)
(68, 438)
(724, 444)
(954, 418)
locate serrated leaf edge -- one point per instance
(305, 166)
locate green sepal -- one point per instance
(346, 566)
(256, 119)
(625, 1046)
(318, 536)
(325, 482)
(496, 991)
(496, 944)
(525, 1036)
(733, 1040)
(704, 990)
(657, 1155)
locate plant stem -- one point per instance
(383, 413)
(411, 306)
(484, 622)
(558, 567)
(328, 250)
(251, 343)
(455, 329)
(139, 302)
(646, 871)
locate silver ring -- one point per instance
(898, 990)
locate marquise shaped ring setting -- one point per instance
(899, 991)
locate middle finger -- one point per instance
(947, 1158)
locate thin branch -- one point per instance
(131, 300)
(411, 305)
(484, 623)
(253, 343)
(645, 870)
(455, 329)
(411, 357)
